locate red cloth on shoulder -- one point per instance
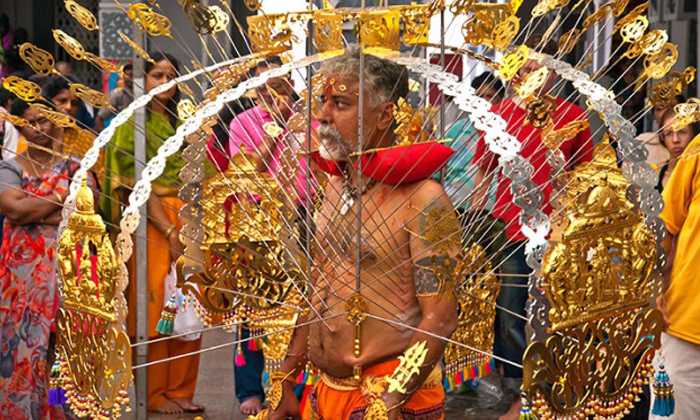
(397, 165)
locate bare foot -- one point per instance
(251, 406)
(169, 407)
(187, 405)
(514, 412)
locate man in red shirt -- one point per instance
(510, 339)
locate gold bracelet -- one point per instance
(59, 199)
(274, 395)
(169, 232)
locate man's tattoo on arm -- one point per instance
(433, 275)
(439, 227)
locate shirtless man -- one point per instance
(408, 306)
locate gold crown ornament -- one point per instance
(597, 282)
(603, 264)
(94, 353)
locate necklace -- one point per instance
(32, 160)
(350, 193)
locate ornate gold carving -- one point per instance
(599, 16)
(555, 138)
(24, 89)
(94, 351)
(410, 363)
(476, 289)
(686, 113)
(328, 30)
(379, 30)
(532, 82)
(479, 29)
(540, 110)
(416, 24)
(13, 119)
(220, 19)
(149, 21)
(649, 44)
(204, 19)
(512, 62)
(634, 29)
(461, 7)
(377, 410)
(229, 76)
(568, 41)
(601, 267)
(546, 6)
(656, 66)
(91, 96)
(60, 119)
(592, 369)
(82, 15)
(269, 34)
(412, 126)
(597, 282)
(140, 51)
(70, 44)
(41, 61)
(633, 15)
(356, 308)
(185, 109)
(100, 62)
(618, 6)
(662, 94)
(504, 33)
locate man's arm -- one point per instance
(291, 367)
(482, 187)
(433, 256)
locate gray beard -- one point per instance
(332, 153)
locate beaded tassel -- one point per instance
(167, 316)
(664, 402)
(57, 395)
(240, 360)
(525, 411)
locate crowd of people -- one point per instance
(39, 160)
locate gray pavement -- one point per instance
(215, 389)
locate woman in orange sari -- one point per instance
(171, 384)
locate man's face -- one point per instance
(339, 120)
(280, 85)
(531, 66)
(40, 130)
(489, 93)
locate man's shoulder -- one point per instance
(423, 192)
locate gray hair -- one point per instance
(386, 80)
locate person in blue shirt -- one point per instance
(460, 172)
